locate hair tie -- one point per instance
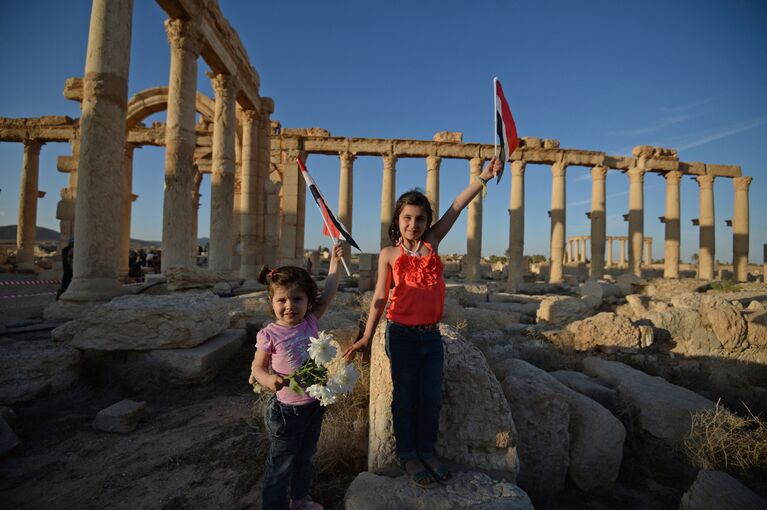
(272, 273)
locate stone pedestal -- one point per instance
(98, 208)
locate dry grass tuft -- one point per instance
(719, 439)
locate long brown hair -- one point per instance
(412, 197)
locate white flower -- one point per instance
(344, 381)
(321, 349)
(324, 394)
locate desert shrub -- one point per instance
(725, 286)
(721, 440)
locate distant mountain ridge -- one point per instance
(8, 234)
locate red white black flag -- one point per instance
(331, 225)
(505, 128)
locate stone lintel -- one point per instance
(723, 170)
(49, 128)
(66, 164)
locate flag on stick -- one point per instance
(505, 129)
(331, 225)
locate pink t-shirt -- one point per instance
(288, 347)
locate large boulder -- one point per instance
(716, 490)
(192, 277)
(607, 331)
(757, 329)
(253, 307)
(475, 432)
(30, 368)
(589, 386)
(629, 283)
(468, 490)
(664, 409)
(560, 310)
(595, 435)
(140, 322)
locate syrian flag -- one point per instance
(332, 227)
(505, 128)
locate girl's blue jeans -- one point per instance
(416, 369)
(293, 434)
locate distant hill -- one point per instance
(8, 235)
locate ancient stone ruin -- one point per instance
(558, 381)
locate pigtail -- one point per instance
(264, 275)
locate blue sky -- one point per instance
(596, 75)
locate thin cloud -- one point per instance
(658, 126)
(685, 107)
(611, 195)
(725, 132)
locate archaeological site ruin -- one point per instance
(568, 378)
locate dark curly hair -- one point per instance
(290, 276)
(412, 197)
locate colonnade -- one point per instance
(577, 251)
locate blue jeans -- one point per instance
(416, 371)
(293, 434)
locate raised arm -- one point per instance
(440, 229)
(377, 305)
(331, 282)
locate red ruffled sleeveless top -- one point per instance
(418, 297)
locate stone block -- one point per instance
(197, 364)
(121, 417)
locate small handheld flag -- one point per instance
(332, 227)
(505, 129)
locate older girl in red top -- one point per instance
(413, 342)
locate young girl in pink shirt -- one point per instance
(292, 421)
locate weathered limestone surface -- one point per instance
(716, 490)
(607, 331)
(122, 417)
(596, 436)
(478, 319)
(245, 308)
(193, 365)
(31, 368)
(193, 277)
(663, 408)
(592, 388)
(468, 490)
(141, 322)
(473, 432)
(559, 310)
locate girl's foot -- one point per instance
(419, 474)
(304, 504)
(438, 468)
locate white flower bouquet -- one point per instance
(314, 375)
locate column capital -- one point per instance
(32, 145)
(673, 177)
(518, 168)
(741, 183)
(636, 174)
(248, 116)
(559, 169)
(705, 181)
(598, 173)
(223, 84)
(433, 163)
(389, 160)
(184, 35)
(346, 157)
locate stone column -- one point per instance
(387, 197)
(706, 221)
(293, 210)
(250, 197)
(432, 185)
(127, 205)
(740, 228)
(558, 216)
(180, 139)
(577, 241)
(264, 169)
(516, 226)
(474, 227)
(636, 219)
(195, 223)
(598, 222)
(98, 208)
(622, 258)
(346, 198)
(672, 241)
(222, 174)
(569, 252)
(26, 231)
(609, 252)
(648, 250)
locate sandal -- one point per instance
(439, 469)
(422, 478)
